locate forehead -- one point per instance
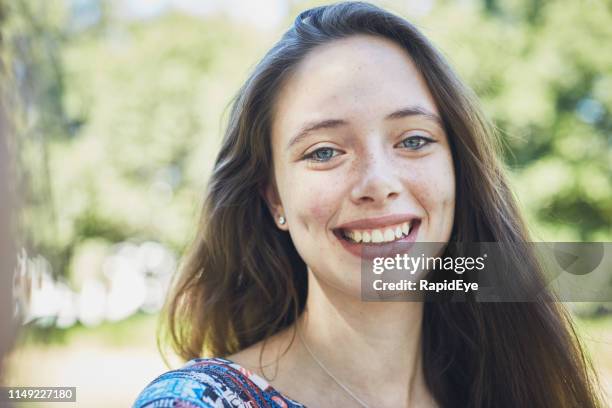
(359, 78)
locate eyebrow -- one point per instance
(336, 123)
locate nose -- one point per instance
(377, 180)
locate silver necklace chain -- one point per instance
(333, 377)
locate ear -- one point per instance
(272, 199)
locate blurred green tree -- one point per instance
(545, 79)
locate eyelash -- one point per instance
(311, 156)
(424, 139)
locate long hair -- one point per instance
(243, 281)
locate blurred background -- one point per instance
(116, 109)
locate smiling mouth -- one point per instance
(378, 236)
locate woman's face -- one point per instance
(360, 156)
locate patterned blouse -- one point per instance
(212, 383)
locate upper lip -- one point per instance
(378, 222)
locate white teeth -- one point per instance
(377, 236)
(389, 235)
(398, 232)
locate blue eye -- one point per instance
(322, 155)
(415, 142)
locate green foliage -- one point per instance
(544, 77)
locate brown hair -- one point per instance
(243, 281)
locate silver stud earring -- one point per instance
(281, 220)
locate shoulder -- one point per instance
(207, 383)
(199, 383)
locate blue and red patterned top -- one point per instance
(212, 383)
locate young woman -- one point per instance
(353, 125)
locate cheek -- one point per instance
(443, 187)
(316, 198)
(432, 183)
(319, 211)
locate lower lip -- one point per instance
(371, 251)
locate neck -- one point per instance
(374, 348)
